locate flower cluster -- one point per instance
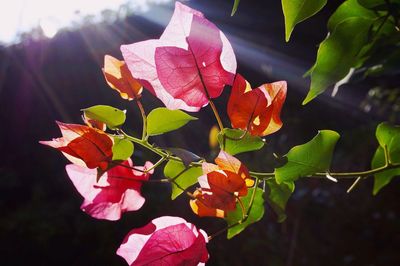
(189, 65)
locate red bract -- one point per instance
(120, 78)
(221, 185)
(83, 145)
(190, 63)
(116, 192)
(256, 110)
(165, 241)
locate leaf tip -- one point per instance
(308, 98)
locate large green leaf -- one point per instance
(349, 9)
(255, 214)
(337, 54)
(309, 158)
(388, 136)
(278, 195)
(162, 120)
(184, 176)
(233, 141)
(122, 149)
(109, 115)
(296, 11)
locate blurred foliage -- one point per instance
(362, 35)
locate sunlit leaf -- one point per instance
(235, 141)
(122, 149)
(277, 197)
(109, 115)
(388, 136)
(337, 54)
(348, 9)
(295, 11)
(183, 176)
(162, 120)
(309, 158)
(256, 212)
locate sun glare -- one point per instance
(20, 16)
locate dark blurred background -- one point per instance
(43, 80)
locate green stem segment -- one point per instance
(156, 150)
(263, 175)
(216, 114)
(144, 119)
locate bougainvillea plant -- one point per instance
(186, 68)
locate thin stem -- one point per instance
(144, 119)
(140, 180)
(159, 162)
(156, 150)
(127, 166)
(216, 114)
(266, 176)
(354, 184)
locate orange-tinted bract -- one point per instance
(256, 110)
(120, 78)
(221, 186)
(83, 145)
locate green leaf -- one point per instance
(388, 136)
(236, 143)
(109, 115)
(183, 176)
(337, 54)
(255, 214)
(385, 133)
(309, 158)
(162, 120)
(349, 9)
(278, 195)
(296, 11)
(122, 149)
(235, 7)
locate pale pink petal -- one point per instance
(117, 191)
(227, 162)
(165, 241)
(195, 73)
(139, 58)
(209, 167)
(137, 238)
(154, 62)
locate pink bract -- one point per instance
(190, 63)
(166, 240)
(116, 192)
